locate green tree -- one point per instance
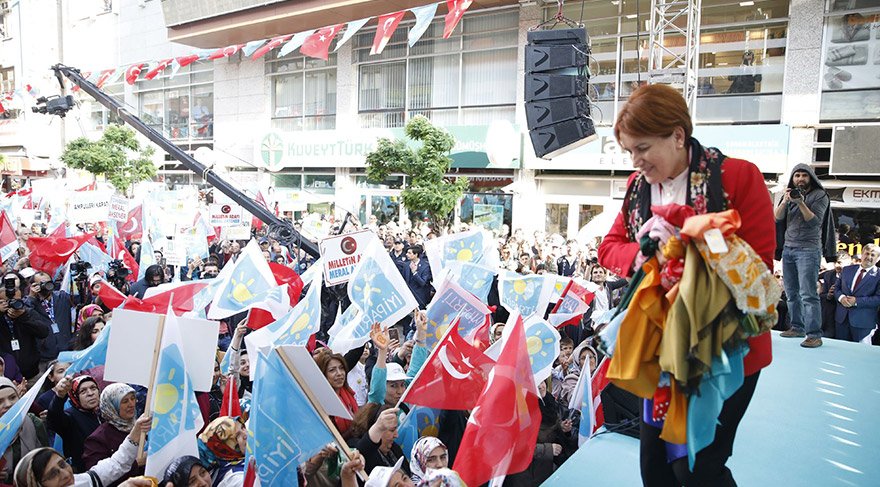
(117, 155)
(428, 188)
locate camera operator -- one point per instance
(804, 233)
(79, 272)
(117, 274)
(153, 276)
(21, 326)
(54, 305)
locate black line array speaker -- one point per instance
(556, 85)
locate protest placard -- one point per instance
(342, 253)
(225, 215)
(88, 207)
(118, 209)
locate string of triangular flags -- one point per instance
(313, 43)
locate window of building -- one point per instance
(180, 107)
(303, 93)
(7, 85)
(851, 61)
(468, 79)
(99, 115)
(742, 56)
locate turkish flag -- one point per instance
(119, 252)
(8, 239)
(286, 275)
(317, 45)
(105, 75)
(49, 253)
(456, 12)
(132, 229)
(89, 187)
(275, 42)
(256, 222)
(384, 31)
(133, 71)
(185, 61)
(453, 377)
(156, 299)
(480, 336)
(231, 405)
(227, 51)
(161, 67)
(60, 232)
(503, 428)
(598, 384)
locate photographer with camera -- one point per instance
(55, 306)
(21, 326)
(153, 276)
(79, 274)
(804, 232)
(117, 274)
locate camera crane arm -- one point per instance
(279, 229)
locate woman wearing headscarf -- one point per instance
(118, 412)
(428, 453)
(186, 471)
(76, 423)
(222, 446)
(88, 311)
(30, 436)
(45, 467)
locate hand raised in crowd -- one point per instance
(142, 425)
(63, 386)
(406, 349)
(566, 426)
(379, 337)
(314, 463)
(387, 420)
(350, 469)
(557, 449)
(21, 387)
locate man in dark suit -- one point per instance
(55, 305)
(858, 298)
(417, 274)
(829, 283)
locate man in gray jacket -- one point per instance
(803, 208)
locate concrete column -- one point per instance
(346, 89)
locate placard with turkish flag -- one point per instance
(133, 228)
(317, 45)
(453, 376)
(8, 240)
(384, 31)
(49, 253)
(503, 428)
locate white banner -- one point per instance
(342, 253)
(88, 207)
(226, 215)
(118, 209)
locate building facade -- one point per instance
(781, 82)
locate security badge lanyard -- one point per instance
(14, 342)
(50, 309)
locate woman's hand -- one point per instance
(566, 426)
(380, 338)
(141, 426)
(350, 469)
(63, 386)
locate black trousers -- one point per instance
(709, 467)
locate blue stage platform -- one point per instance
(814, 421)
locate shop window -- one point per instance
(468, 79)
(557, 219)
(324, 184)
(287, 181)
(489, 210)
(851, 60)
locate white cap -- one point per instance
(27, 272)
(395, 372)
(380, 476)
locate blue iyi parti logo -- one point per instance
(467, 249)
(170, 400)
(375, 295)
(245, 286)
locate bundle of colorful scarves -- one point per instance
(678, 337)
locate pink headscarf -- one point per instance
(86, 312)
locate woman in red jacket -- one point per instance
(654, 127)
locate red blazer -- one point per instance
(747, 193)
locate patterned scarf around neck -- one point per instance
(705, 191)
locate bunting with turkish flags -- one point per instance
(105, 75)
(456, 12)
(159, 68)
(317, 45)
(453, 376)
(50, 253)
(227, 51)
(384, 31)
(502, 429)
(133, 71)
(276, 42)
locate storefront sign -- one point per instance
(88, 207)
(764, 145)
(866, 197)
(476, 146)
(226, 215)
(342, 253)
(118, 209)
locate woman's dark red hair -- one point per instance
(654, 111)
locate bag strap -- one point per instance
(96, 481)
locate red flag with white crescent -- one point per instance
(384, 31)
(105, 75)
(132, 229)
(456, 12)
(49, 253)
(158, 69)
(272, 44)
(8, 239)
(227, 51)
(133, 71)
(317, 45)
(185, 61)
